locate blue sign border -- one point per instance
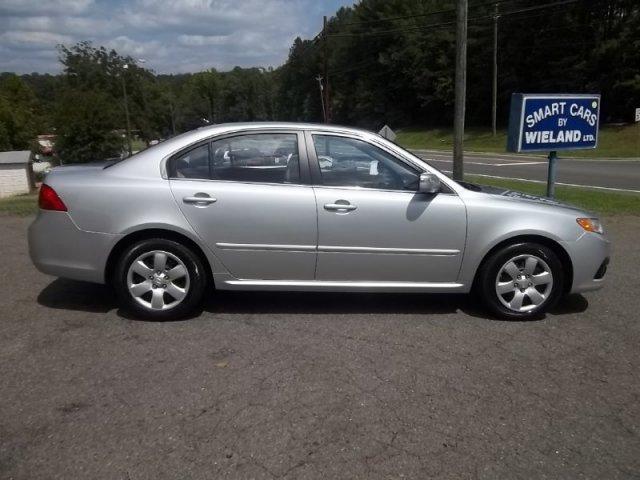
(516, 120)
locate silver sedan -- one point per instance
(279, 206)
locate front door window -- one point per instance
(349, 162)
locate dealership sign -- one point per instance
(553, 122)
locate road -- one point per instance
(614, 174)
(312, 386)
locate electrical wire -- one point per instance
(427, 14)
(452, 22)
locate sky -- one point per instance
(172, 36)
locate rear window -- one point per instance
(255, 158)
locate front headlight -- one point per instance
(590, 225)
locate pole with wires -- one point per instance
(324, 111)
(460, 89)
(494, 106)
(327, 102)
(126, 108)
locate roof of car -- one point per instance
(202, 133)
(283, 125)
(170, 146)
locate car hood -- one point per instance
(517, 196)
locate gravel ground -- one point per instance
(265, 385)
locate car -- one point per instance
(343, 209)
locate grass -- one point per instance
(138, 145)
(20, 205)
(603, 203)
(613, 141)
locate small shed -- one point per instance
(16, 173)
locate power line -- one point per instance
(543, 29)
(449, 23)
(427, 14)
(386, 32)
(353, 68)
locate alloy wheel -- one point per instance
(524, 283)
(158, 280)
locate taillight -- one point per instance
(49, 199)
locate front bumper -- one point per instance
(58, 247)
(588, 254)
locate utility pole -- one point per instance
(494, 106)
(327, 100)
(173, 118)
(126, 108)
(324, 112)
(460, 88)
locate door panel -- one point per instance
(252, 209)
(372, 224)
(257, 231)
(389, 236)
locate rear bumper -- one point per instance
(58, 247)
(588, 254)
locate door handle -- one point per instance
(339, 206)
(206, 200)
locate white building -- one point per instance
(16, 174)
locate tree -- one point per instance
(392, 60)
(90, 106)
(19, 118)
(87, 124)
(207, 86)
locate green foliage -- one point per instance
(388, 61)
(94, 68)
(20, 205)
(242, 94)
(613, 141)
(87, 112)
(298, 98)
(87, 125)
(19, 117)
(5, 141)
(207, 85)
(392, 61)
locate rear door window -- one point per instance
(193, 164)
(261, 158)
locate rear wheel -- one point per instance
(159, 279)
(521, 281)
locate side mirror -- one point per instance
(429, 183)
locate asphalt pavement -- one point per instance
(606, 174)
(296, 386)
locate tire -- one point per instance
(526, 291)
(159, 279)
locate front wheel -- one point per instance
(159, 279)
(521, 281)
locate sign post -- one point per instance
(551, 174)
(552, 122)
(638, 128)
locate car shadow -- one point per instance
(94, 298)
(335, 303)
(574, 303)
(74, 295)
